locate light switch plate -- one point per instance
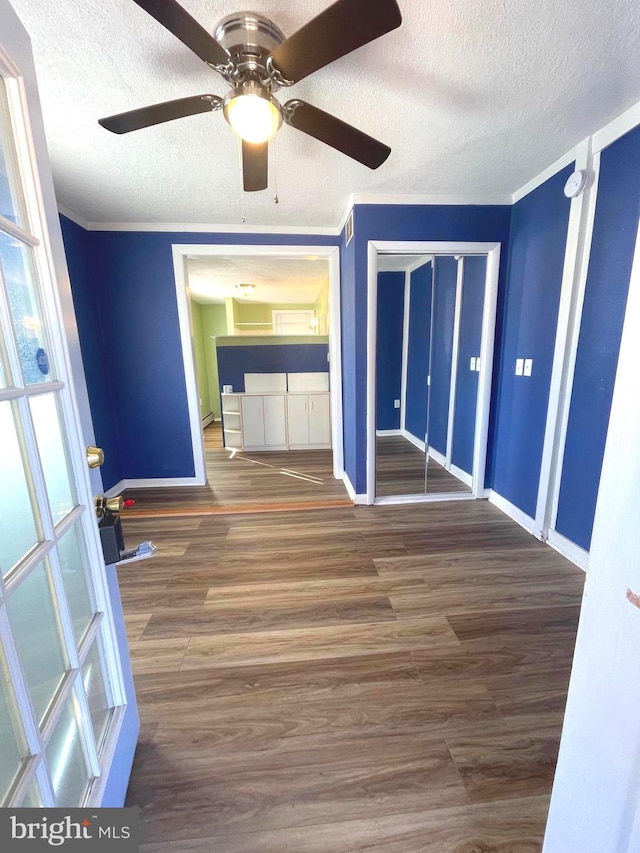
(478, 360)
(528, 366)
(473, 363)
(396, 404)
(519, 366)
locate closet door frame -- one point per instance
(395, 247)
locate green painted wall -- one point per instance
(322, 310)
(201, 362)
(214, 323)
(260, 312)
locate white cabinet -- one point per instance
(309, 420)
(263, 422)
(319, 420)
(298, 419)
(276, 421)
(252, 422)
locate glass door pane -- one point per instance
(18, 271)
(18, 530)
(34, 624)
(100, 705)
(65, 758)
(11, 199)
(75, 577)
(53, 454)
(13, 748)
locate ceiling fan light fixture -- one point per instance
(254, 115)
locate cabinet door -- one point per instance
(298, 419)
(252, 422)
(275, 429)
(319, 419)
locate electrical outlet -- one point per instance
(473, 363)
(396, 404)
(519, 366)
(528, 366)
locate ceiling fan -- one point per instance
(254, 57)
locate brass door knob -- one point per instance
(95, 456)
(104, 504)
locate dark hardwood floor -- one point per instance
(388, 679)
(261, 480)
(400, 470)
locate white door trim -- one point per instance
(492, 251)
(180, 253)
(574, 280)
(455, 354)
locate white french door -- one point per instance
(61, 694)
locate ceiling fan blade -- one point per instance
(336, 133)
(255, 166)
(178, 21)
(343, 27)
(158, 113)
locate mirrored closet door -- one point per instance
(429, 327)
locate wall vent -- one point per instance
(348, 228)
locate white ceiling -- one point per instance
(474, 98)
(279, 280)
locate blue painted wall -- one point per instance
(389, 332)
(527, 329)
(130, 276)
(417, 396)
(235, 361)
(396, 222)
(445, 275)
(84, 273)
(607, 287)
(473, 287)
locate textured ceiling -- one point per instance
(279, 280)
(474, 98)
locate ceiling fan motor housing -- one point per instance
(249, 38)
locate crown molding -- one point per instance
(431, 199)
(74, 217)
(566, 159)
(615, 129)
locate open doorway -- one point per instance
(261, 345)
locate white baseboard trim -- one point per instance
(424, 499)
(357, 499)
(440, 458)
(114, 491)
(512, 511)
(569, 549)
(388, 432)
(413, 439)
(152, 483)
(349, 487)
(207, 419)
(465, 478)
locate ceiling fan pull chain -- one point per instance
(276, 200)
(242, 216)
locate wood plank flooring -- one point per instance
(400, 470)
(386, 679)
(253, 481)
